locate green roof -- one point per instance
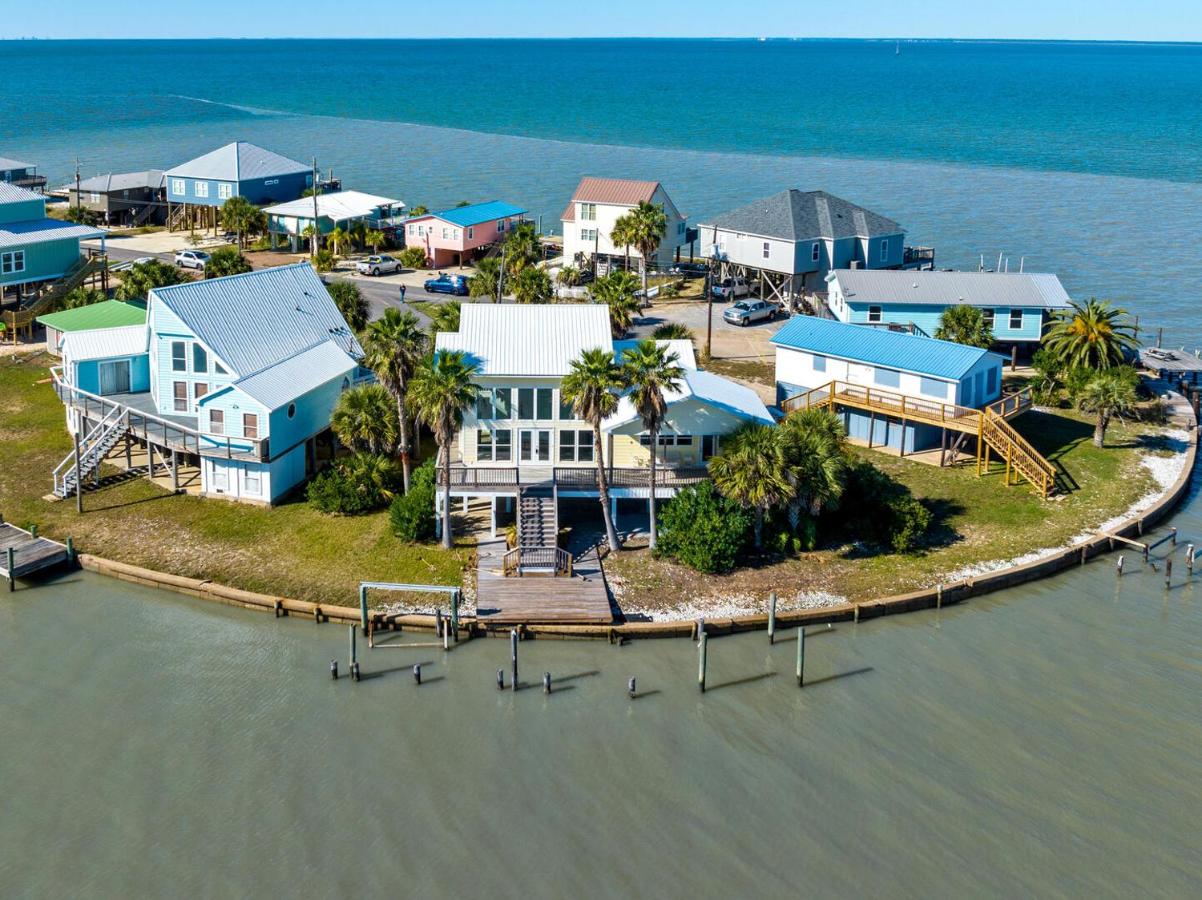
(107, 314)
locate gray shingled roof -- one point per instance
(795, 215)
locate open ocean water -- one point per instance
(1081, 159)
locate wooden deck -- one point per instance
(30, 554)
(578, 600)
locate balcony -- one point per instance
(569, 478)
(918, 258)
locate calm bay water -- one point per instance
(1039, 741)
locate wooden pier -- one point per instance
(580, 599)
(23, 553)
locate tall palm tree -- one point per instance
(617, 291)
(1093, 334)
(647, 230)
(445, 317)
(622, 235)
(484, 282)
(395, 345)
(1108, 394)
(337, 238)
(443, 391)
(374, 239)
(650, 371)
(365, 419)
(817, 460)
(751, 471)
(592, 386)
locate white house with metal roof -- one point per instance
(341, 209)
(1016, 305)
(597, 204)
(237, 376)
(789, 241)
(522, 435)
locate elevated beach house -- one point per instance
(588, 222)
(1017, 306)
(235, 377)
(198, 187)
(93, 317)
(340, 209)
(790, 241)
(522, 441)
(125, 198)
(21, 174)
(454, 237)
(36, 250)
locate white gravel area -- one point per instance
(724, 607)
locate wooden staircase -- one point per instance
(49, 299)
(990, 426)
(537, 552)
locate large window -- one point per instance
(179, 396)
(484, 405)
(250, 426)
(494, 446)
(217, 421)
(179, 356)
(1016, 319)
(200, 359)
(874, 314)
(12, 262)
(575, 445)
(201, 188)
(887, 377)
(566, 413)
(534, 403)
(674, 449)
(588, 212)
(709, 446)
(494, 403)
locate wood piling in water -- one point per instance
(701, 661)
(772, 618)
(801, 655)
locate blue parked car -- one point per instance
(447, 284)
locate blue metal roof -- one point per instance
(466, 216)
(880, 347)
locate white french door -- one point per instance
(534, 446)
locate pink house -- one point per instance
(454, 237)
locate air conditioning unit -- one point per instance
(855, 264)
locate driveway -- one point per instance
(731, 342)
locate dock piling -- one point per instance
(772, 618)
(334, 669)
(33, 531)
(455, 616)
(1189, 558)
(70, 550)
(354, 644)
(500, 679)
(12, 568)
(355, 673)
(1118, 567)
(801, 655)
(546, 682)
(513, 657)
(630, 687)
(446, 633)
(939, 596)
(417, 673)
(1168, 571)
(701, 661)
(363, 606)
(1173, 535)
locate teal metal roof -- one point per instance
(466, 216)
(879, 347)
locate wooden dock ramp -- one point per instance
(580, 599)
(23, 553)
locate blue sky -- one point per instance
(1170, 20)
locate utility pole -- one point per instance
(314, 244)
(78, 198)
(709, 307)
(501, 276)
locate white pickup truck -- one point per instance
(730, 288)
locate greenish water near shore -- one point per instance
(1037, 741)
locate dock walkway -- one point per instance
(21, 553)
(578, 600)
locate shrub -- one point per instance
(81, 216)
(226, 261)
(263, 242)
(412, 515)
(324, 260)
(882, 511)
(355, 485)
(413, 257)
(703, 530)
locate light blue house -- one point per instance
(1016, 305)
(935, 379)
(34, 248)
(237, 374)
(240, 169)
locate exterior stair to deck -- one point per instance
(23, 318)
(94, 447)
(1017, 453)
(537, 552)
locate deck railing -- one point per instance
(569, 477)
(156, 430)
(543, 559)
(887, 403)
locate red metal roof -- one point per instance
(618, 191)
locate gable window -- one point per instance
(250, 426)
(874, 314)
(179, 396)
(588, 212)
(680, 227)
(179, 356)
(885, 250)
(446, 234)
(94, 197)
(502, 224)
(201, 188)
(225, 191)
(13, 261)
(767, 249)
(177, 187)
(815, 252)
(200, 359)
(987, 315)
(819, 363)
(887, 377)
(1016, 319)
(575, 445)
(217, 421)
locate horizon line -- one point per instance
(716, 38)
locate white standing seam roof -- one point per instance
(239, 161)
(706, 387)
(337, 206)
(103, 343)
(258, 319)
(11, 193)
(987, 289)
(42, 231)
(282, 383)
(528, 339)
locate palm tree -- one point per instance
(445, 317)
(82, 296)
(533, 286)
(647, 231)
(142, 278)
(817, 460)
(1095, 335)
(351, 303)
(311, 234)
(591, 387)
(337, 238)
(484, 282)
(242, 217)
(1108, 394)
(622, 235)
(963, 324)
(358, 233)
(650, 371)
(442, 392)
(226, 261)
(569, 276)
(374, 239)
(751, 471)
(395, 345)
(523, 248)
(365, 419)
(617, 291)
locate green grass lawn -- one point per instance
(290, 549)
